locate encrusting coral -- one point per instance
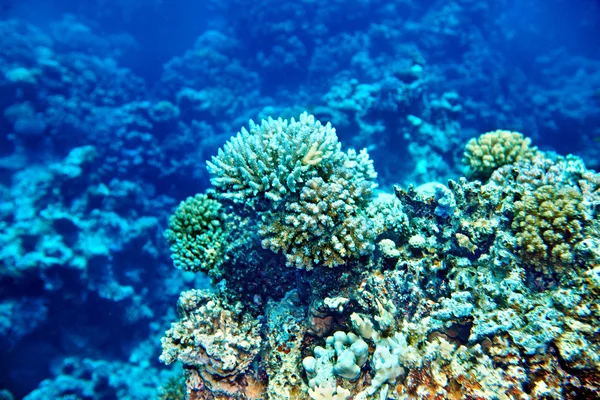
(219, 340)
(465, 290)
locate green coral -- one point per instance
(197, 235)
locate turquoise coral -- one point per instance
(317, 194)
(274, 159)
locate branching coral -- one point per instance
(274, 159)
(317, 195)
(548, 225)
(198, 235)
(325, 226)
(483, 155)
(554, 205)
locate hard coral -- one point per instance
(217, 340)
(197, 235)
(452, 306)
(312, 196)
(274, 159)
(548, 225)
(492, 150)
(324, 226)
(555, 214)
(328, 393)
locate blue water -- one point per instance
(109, 110)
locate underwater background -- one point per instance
(295, 264)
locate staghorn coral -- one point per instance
(197, 235)
(494, 149)
(217, 339)
(274, 159)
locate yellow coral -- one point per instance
(547, 223)
(324, 227)
(492, 150)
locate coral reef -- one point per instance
(89, 378)
(474, 291)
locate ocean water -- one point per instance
(293, 199)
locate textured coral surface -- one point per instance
(330, 249)
(476, 290)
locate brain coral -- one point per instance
(483, 155)
(197, 235)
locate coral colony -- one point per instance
(299, 200)
(483, 287)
